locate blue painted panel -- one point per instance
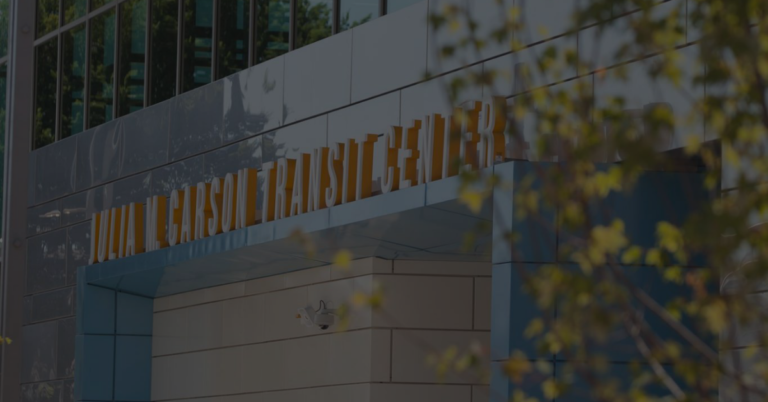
(94, 367)
(95, 309)
(133, 368)
(511, 311)
(134, 315)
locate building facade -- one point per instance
(132, 119)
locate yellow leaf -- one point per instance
(342, 258)
(472, 199)
(517, 366)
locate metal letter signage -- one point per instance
(423, 152)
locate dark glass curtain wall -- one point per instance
(124, 55)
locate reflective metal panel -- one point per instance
(98, 154)
(446, 51)
(38, 362)
(643, 93)
(78, 249)
(196, 121)
(243, 154)
(527, 148)
(324, 86)
(546, 19)
(253, 100)
(45, 93)
(72, 81)
(145, 142)
(383, 58)
(46, 261)
(431, 97)
(73, 208)
(123, 192)
(55, 170)
(175, 176)
(292, 141)
(43, 218)
(600, 46)
(518, 72)
(374, 116)
(66, 351)
(55, 304)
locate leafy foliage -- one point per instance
(713, 54)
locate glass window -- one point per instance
(102, 69)
(273, 22)
(98, 3)
(162, 74)
(232, 51)
(394, 5)
(3, 83)
(133, 43)
(72, 81)
(73, 9)
(314, 21)
(165, 20)
(356, 12)
(4, 9)
(198, 42)
(47, 16)
(45, 92)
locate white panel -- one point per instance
(290, 280)
(352, 356)
(425, 302)
(363, 266)
(420, 393)
(201, 296)
(459, 268)
(340, 293)
(317, 77)
(389, 52)
(483, 303)
(243, 321)
(169, 332)
(481, 393)
(409, 354)
(205, 326)
(280, 309)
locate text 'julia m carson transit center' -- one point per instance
(165, 154)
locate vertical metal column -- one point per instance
(21, 33)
